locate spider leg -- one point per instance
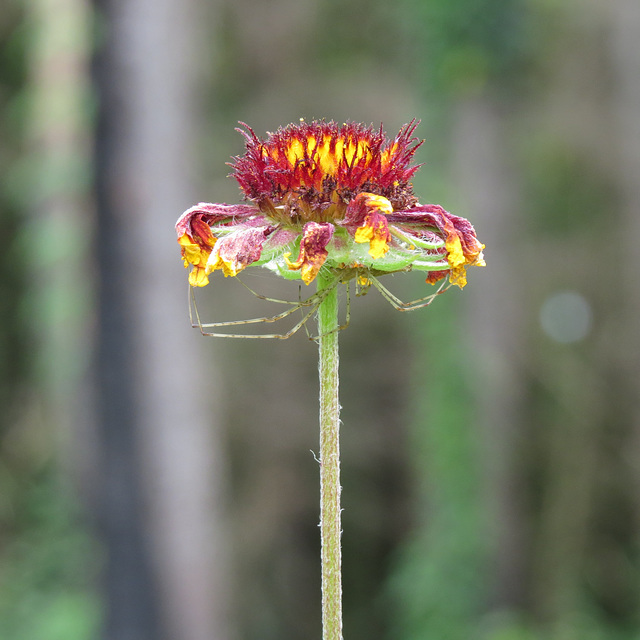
(363, 289)
(347, 319)
(400, 305)
(233, 323)
(313, 302)
(280, 336)
(301, 303)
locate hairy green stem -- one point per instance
(330, 528)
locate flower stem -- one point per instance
(330, 528)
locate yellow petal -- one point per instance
(378, 247)
(228, 267)
(363, 234)
(376, 232)
(198, 277)
(455, 255)
(374, 201)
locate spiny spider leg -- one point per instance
(313, 301)
(363, 289)
(301, 303)
(399, 305)
(232, 323)
(295, 307)
(347, 319)
(280, 336)
(317, 298)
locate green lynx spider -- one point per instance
(363, 279)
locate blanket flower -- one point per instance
(322, 195)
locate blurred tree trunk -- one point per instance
(488, 191)
(58, 226)
(161, 463)
(625, 21)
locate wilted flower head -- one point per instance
(323, 195)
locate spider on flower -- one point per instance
(341, 200)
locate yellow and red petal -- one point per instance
(463, 247)
(436, 276)
(375, 231)
(368, 212)
(470, 247)
(457, 260)
(196, 255)
(313, 250)
(198, 277)
(196, 238)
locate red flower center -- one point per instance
(321, 164)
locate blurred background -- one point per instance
(157, 485)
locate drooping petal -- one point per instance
(457, 257)
(434, 216)
(194, 254)
(239, 249)
(206, 214)
(196, 238)
(368, 212)
(313, 250)
(463, 247)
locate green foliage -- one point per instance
(438, 587)
(356, 33)
(481, 54)
(45, 551)
(464, 44)
(12, 333)
(566, 191)
(46, 563)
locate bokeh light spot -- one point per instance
(566, 317)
